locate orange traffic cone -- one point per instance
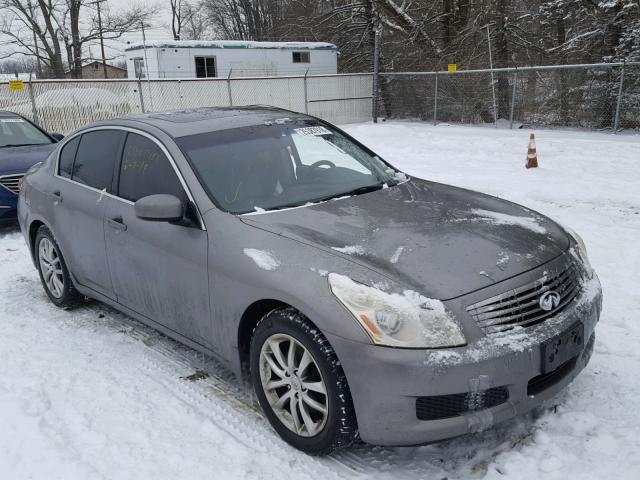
(532, 155)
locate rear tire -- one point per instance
(53, 271)
(310, 381)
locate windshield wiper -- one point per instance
(355, 191)
(349, 193)
(21, 144)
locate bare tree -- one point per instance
(176, 18)
(57, 28)
(195, 25)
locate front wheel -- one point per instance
(300, 384)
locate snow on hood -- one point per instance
(437, 239)
(532, 222)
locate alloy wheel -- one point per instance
(51, 268)
(293, 385)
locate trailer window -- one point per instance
(301, 57)
(205, 67)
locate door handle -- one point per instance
(56, 196)
(117, 223)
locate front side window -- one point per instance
(17, 132)
(67, 156)
(96, 158)
(145, 170)
(301, 57)
(205, 67)
(276, 166)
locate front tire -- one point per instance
(53, 271)
(300, 384)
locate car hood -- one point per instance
(20, 159)
(440, 240)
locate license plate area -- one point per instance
(562, 348)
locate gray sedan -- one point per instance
(361, 302)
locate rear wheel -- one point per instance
(300, 384)
(53, 271)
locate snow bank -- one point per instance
(264, 259)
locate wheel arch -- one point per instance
(34, 226)
(250, 318)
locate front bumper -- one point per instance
(386, 383)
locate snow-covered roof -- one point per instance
(231, 44)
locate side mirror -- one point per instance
(57, 136)
(159, 208)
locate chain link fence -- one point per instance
(65, 105)
(594, 97)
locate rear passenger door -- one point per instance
(158, 269)
(78, 191)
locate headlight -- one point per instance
(409, 320)
(580, 252)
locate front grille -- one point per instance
(447, 406)
(10, 182)
(521, 306)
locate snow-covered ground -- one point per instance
(90, 394)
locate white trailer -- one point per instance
(223, 58)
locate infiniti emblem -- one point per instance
(549, 300)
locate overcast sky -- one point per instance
(160, 29)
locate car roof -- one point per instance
(211, 119)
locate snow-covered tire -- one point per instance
(337, 428)
(65, 295)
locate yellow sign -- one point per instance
(452, 68)
(16, 85)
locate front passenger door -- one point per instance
(158, 269)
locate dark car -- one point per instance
(22, 145)
(361, 302)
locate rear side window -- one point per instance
(146, 170)
(96, 158)
(67, 156)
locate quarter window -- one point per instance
(205, 67)
(96, 158)
(67, 156)
(301, 57)
(145, 170)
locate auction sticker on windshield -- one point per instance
(307, 131)
(11, 120)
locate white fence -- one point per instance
(64, 105)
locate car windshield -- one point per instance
(282, 164)
(17, 132)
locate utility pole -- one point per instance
(146, 63)
(35, 40)
(104, 61)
